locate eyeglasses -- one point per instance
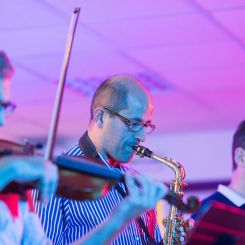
(133, 125)
(8, 107)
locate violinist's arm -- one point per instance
(27, 169)
(131, 207)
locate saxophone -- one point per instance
(174, 218)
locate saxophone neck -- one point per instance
(178, 169)
(174, 165)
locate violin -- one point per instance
(72, 184)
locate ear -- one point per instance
(240, 157)
(98, 117)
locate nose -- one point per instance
(140, 135)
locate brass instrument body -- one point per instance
(174, 217)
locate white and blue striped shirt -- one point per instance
(66, 221)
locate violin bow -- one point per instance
(48, 156)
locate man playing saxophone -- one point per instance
(120, 118)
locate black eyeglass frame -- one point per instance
(131, 123)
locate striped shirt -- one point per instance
(66, 221)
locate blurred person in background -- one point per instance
(234, 193)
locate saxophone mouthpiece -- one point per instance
(142, 151)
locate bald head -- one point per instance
(117, 91)
(116, 130)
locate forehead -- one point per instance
(139, 107)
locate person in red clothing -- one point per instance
(18, 222)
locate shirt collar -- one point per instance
(90, 151)
(234, 197)
(87, 147)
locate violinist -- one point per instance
(18, 222)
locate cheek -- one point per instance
(117, 134)
(117, 138)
